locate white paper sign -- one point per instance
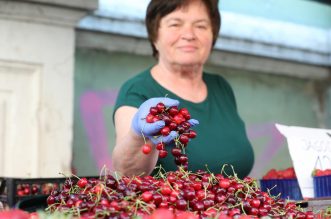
(309, 148)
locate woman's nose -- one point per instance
(188, 33)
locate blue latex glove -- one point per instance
(141, 127)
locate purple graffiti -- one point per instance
(274, 144)
(92, 104)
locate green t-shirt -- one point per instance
(221, 135)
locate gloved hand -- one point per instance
(141, 127)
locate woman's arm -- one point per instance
(127, 157)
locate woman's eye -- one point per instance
(173, 25)
(202, 27)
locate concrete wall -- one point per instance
(37, 44)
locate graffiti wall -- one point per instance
(262, 99)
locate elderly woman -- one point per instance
(182, 34)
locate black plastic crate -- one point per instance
(16, 190)
(32, 200)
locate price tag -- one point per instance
(309, 148)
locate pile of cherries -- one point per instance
(201, 194)
(175, 120)
(170, 195)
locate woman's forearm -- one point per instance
(128, 158)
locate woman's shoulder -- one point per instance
(216, 80)
(133, 91)
(138, 82)
(140, 78)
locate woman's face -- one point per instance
(185, 36)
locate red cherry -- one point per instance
(210, 213)
(115, 205)
(192, 134)
(220, 198)
(157, 198)
(197, 185)
(254, 211)
(176, 152)
(171, 178)
(160, 107)
(309, 215)
(146, 148)
(290, 205)
(172, 125)
(300, 215)
(187, 117)
(34, 189)
(160, 146)
(163, 205)
(183, 159)
(266, 206)
(200, 194)
(78, 203)
(165, 131)
(173, 111)
(26, 191)
(104, 202)
(231, 189)
(149, 118)
(185, 113)
(82, 182)
(224, 183)
(186, 125)
(181, 204)
(233, 212)
(20, 193)
(263, 211)
(189, 194)
(167, 120)
(180, 129)
(147, 196)
(183, 139)
(178, 118)
(208, 203)
(50, 200)
(163, 153)
(165, 190)
(177, 161)
(170, 199)
(198, 206)
(153, 111)
(255, 203)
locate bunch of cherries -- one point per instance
(175, 120)
(201, 194)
